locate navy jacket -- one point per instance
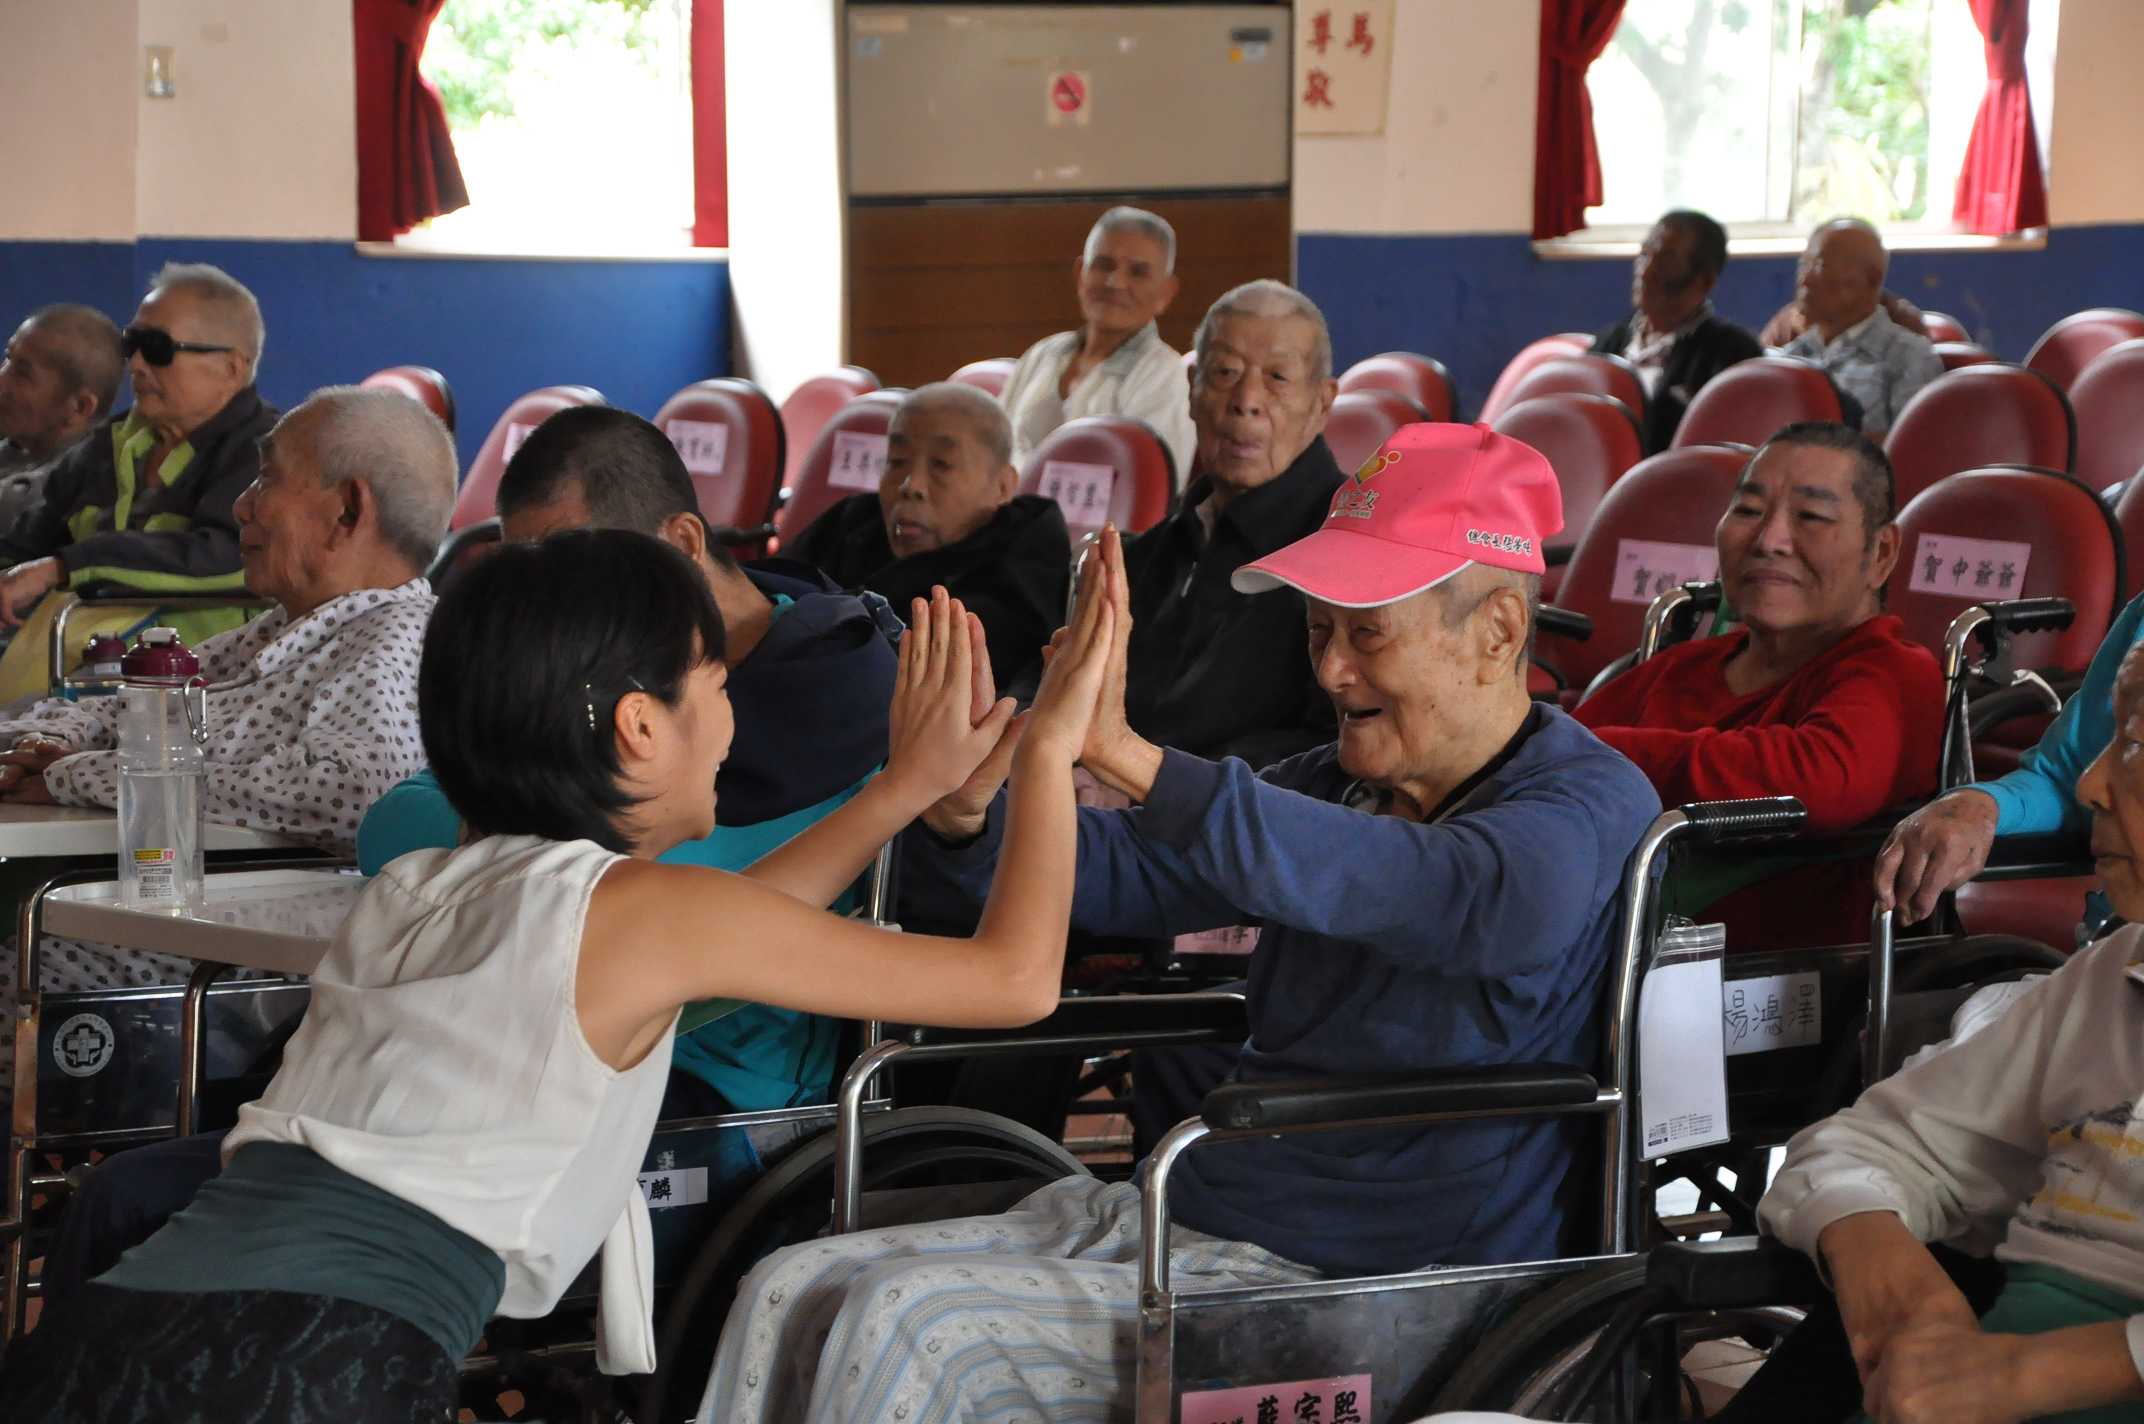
(818, 687)
(1387, 946)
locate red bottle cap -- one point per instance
(159, 656)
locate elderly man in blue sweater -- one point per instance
(1436, 889)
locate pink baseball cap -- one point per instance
(1433, 499)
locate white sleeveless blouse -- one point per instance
(442, 1061)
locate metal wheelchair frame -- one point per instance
(1195, 1339)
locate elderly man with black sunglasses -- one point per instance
(145, 502)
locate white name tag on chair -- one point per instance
(1976, 569)
(1777, 1011)
(1081, 491)
(702, 444)
(859, 460)
(1645, 569)
(1682, 1060)
(516, 433)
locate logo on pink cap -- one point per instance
(1353, 501)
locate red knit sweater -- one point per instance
(1851, 733)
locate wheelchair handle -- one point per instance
(1758, 818)
(1564, 623)
(2031, 615)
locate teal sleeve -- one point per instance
(2040, 797)
(414, 815)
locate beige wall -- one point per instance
(2095, 173)
(67, 167)
(261, 140)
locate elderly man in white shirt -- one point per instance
(312, 707)
(1839, 290)
(1116, 363)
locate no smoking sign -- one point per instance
(1071, 101)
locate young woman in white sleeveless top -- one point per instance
(457, 1124)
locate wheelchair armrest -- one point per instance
(1739, 1272)
(1338, 1102)
(1108, 1021)
(1564, 623)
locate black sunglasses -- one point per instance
(157, 346)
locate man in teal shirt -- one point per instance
(1946, 843)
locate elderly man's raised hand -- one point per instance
(935, 739)
(1078, 666)
(1933, 851)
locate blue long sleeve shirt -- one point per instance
(2040, 797)
(1386, 946)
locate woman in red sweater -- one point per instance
(1818, 695)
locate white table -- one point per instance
(33, 832)
(276, 920)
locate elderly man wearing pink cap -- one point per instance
(1436, 889)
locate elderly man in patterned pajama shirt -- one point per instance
(312, 707)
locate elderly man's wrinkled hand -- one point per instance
(1934, 851)
(1078, 666)
(1945, 1372)
(22, 769)
(23, 585)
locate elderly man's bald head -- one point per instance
(948, 467)
(986, 418)
(1840, 279)
(60, 376)
(395, 446)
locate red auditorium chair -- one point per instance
(1653, 530)
(846, 459)
(1942, 326)
(478, 499)
(2010, 531)
(1422, 379)
(1589, 441)
(1995, 414)
(1102, 468)
(2067, 347)
(1963, 353)
(1750, 400)
(1360, 421)
(421, 384)
(811, 405)
(2108, 401)
(1548, 348)
(1591, 373)
(990, 375)
(2069, 549)
(730, 436)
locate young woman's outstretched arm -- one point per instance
(661, 935)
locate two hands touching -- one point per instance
(947, 717)
(22, 769)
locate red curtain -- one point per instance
(710, 130)
(406, 169)
(2000, 188)
(1567, 162)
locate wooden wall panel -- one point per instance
(933, 286)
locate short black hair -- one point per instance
(1875, 485)
(624, 469)
(525, 658)
(1708, 240)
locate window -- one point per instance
(1775, 115)
(573, 123)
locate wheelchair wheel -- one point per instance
(910, 1147)
(1531, 1363)
(1526, 1356)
